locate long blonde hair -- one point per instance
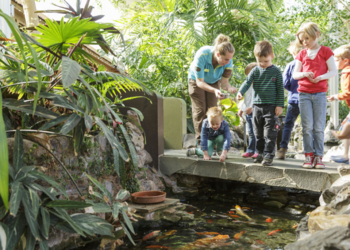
(309, 28)
(222, 44)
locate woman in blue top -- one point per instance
(210, 68)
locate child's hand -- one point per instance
(249, 110)
(206, 157)
(222, 158)
(240, 112)
(239, 96)
(316, 80)
(232, 90)
(330, 98)
(309, 75)
(278, 111)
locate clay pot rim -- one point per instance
(140, 195)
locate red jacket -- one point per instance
(345, 85)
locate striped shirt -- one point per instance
(268, 86)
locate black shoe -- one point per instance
(259, 159)
(267, 162)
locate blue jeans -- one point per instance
(292, 114)
(252, 139)
(313, 120)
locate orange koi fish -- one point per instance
(209, 221)
(245, 208)
(231, 212)
(273, 232)
(190, 212)
(238, 235)
(151, 235)
(295, 226)
(233, 215)
(158, 247)
(166, 234)
(207, 233)
(260, 242)
(268, 220)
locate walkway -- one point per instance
(284, 173)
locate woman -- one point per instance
(211, 67)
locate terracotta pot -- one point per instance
(148, 197)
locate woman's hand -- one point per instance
(218, 94)
(240, 112)
(239, 96)
(232, 90)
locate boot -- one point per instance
(281, 153)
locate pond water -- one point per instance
(215, 216)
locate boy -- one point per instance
(342, 61)
(293, 100)
(215, 131)
(247, 107)
(268, 101)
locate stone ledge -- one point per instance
(284, 173)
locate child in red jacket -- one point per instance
(342, 61)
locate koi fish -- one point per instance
(207, 233)
(210, 221)
(260, 242)
(190, 212)
(166, 234)
(231, 212)
(273, 232)
(275, 220)
(295, 226)
(233, 215)
(151, 235)
(238, 235)
(268, 220)
(246, 208)
(158, 247)
(240, 212)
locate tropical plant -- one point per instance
(30, 215)
(119, 210)
(229, 110)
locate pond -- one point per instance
(214, 223)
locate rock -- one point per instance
(293, 210)
(169, 181)
(133, 117)
(171, 217)
(340, 202)
(169, 211)
(148, 185)
(189, 141)
(185, 216)
(273, 204)
(335, 150)
(309, 198)
(236, 141)
(185, 190)
(278, 195)
(136, 135)
(189, 180)
(61, 240)
(302, 230)
(328, 136)
(29, 148)
(333, 238)
(344, 169)
(143, 157)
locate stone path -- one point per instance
(283, 173)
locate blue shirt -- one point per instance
(202, 66)
(208, 133)
(290, 84)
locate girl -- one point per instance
(314, 65)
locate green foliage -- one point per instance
(30, 215)
(229, 110)
(118, 209)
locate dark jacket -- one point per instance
(290, 84)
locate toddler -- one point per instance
(215, 131)
(342, 61)
(313, 66)
(247, 107)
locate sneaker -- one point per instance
(247, 155)
(339, 159)
(267, 162)
(281, 153)
(259, 159)
(191, 151)
(318, 162)
(308, 163)
(255, 155)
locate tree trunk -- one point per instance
(29, 8)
